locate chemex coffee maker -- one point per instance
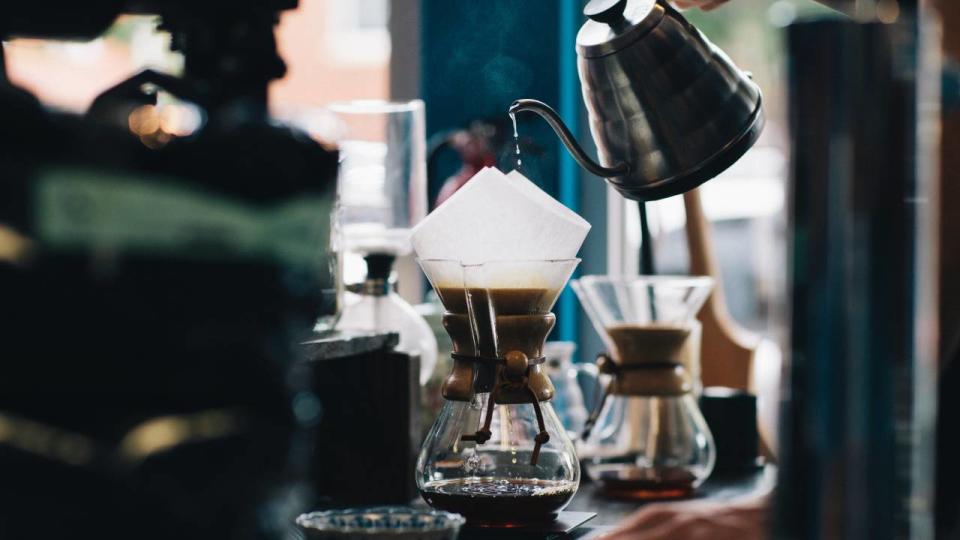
(646, 438)
(156, 286)
(498, 454)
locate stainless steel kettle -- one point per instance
(668, 110)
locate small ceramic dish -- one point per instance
(380, 523)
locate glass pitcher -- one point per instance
(498, 454)
(568, 400)
(383, 174)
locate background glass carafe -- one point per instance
(568, 400)
(649, 439)
(497, 453)
(383, 174)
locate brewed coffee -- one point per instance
(500, 502)
(626, 480)
(512, 301)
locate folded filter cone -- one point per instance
(497, 217)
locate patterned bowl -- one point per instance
(381, 522)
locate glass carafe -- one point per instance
(647, 438)
(565, 376)
(383, 174)
(497, 453)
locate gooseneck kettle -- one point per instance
(668, 110)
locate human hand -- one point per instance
(696, 520)
(705, 5)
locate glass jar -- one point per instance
(565, 375)
(383, 174)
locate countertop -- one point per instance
(341, 344)
(718, 488)
(610, 512)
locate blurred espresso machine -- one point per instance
(857, 447)
(155, 288)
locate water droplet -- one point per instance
(473, 463)
(514, 461)
(476, 403)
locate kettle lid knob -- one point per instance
(605, 11)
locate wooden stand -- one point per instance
(730, 348)
(728, 351)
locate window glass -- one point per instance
(69, 75)
(334, 50)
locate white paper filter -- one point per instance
(498, 217)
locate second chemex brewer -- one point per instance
(647, 438)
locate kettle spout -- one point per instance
(566, 137)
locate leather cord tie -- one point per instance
(513, 373)
(494, 360)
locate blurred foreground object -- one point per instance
(156, 284)
(859, 411)
(744, 519)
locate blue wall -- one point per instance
(479, 56)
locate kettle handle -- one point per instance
(567, 138)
